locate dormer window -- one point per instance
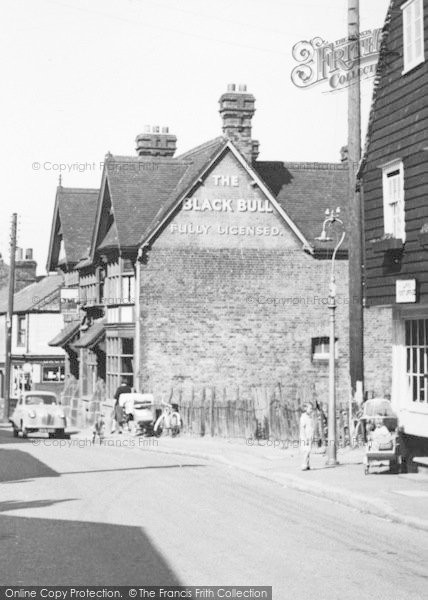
(413, 34)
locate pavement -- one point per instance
(399, 498)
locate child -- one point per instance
(380, 438)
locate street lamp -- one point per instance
(331, 217)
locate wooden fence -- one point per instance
(254, 411)
(257, 411)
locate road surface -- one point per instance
(112, 515)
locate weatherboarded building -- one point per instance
(394, 176)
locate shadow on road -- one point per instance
(16, 465)
(54, 552)
(19, 505)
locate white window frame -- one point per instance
(21, 332)
(393, 200)
(413, 33)
(325, 344)
(416, 363)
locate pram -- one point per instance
(378, 415)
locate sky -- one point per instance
(84, 77)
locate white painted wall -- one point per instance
(41, 329)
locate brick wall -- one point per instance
(228, 317)
(378, 350)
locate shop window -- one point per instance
(53, 373)
(21, 330)
(417, 359)
(321, 348)
(413, 34)
(393, 200)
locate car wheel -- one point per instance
(24, 430)
(59, 432)
(15, 431)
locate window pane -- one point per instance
(415, 388)
(421, 336)
(408, 334)
(414, 333)
(127, 346)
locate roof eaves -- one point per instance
(53, 227)
(99, 210)
(377, 79)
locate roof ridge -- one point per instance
(301, 162)
(78, 190)
(160, 159)
(203, 146)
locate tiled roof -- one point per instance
(138, 187)
(196, 160)
(43, 295)
(305, 191)
(66, 334)
(76, 209)
(90, 338)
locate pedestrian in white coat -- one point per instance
(306, 435)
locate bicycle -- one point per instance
(168, 420)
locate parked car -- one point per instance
(38, 411)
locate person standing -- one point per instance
(306, 435)
(118, 412)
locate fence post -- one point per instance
(212, 399)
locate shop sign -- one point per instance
(405, 291)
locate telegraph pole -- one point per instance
(9, 318)
(356, 316)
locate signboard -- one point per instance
(228, 210)
(405, 291)
(70, 300)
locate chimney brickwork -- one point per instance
(156, 141)
(237, 108)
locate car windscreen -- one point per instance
(40, 399)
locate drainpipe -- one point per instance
(137, 341)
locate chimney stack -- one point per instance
(25, 269)
(237, 108)
(156, 141)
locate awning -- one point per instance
(91, 336)
(65, 335)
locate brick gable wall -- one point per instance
(228, 317)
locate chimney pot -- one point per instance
(18, 255)
(155, 129)
(165, 129)
(231, 87)
(29, 254)
(242, 87)
(147, 128)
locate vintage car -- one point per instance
(38, 411)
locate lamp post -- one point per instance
(331, 217)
